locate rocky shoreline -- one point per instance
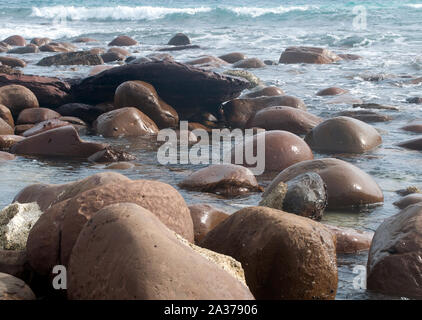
(122, 238)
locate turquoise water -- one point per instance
(391, 44)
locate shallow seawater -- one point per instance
(391, 44)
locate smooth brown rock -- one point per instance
(343, 135)
(332, 91)
(142, 259)
(413, 126)
(52, 238)
(36, 115)
(347, 185)
(205, 218)
(125, 122)
(282, 149)
(110, 155)
(308, 55)
(365, 116)
(12, 288)
(143, 96)
(265, 92)
(179, 39)
(12, 62)
(6, 115)
(17, 98)
(98, 69)
(50, 92)
(233, 57)
(289, 119)
(58, 142)
(350, 240)
(374, 106)
(112, 56)
(119, 50)
(249, 63)
(30, 48)
(57, 47)
(123, 41)
(407, 200)
(47, 195)
(273, 254)
(239, 111)
(207, 61)
(185, 88)
(412, 144)
(21, 128)
(394, 261)
(224, 179)
(84, 40)
(15, 41)
(44, 126)
(72, 58)
(40, 41)
(7, 141)
(5, 156)
(5, 128)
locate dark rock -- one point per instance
(17, 98)
(179, 48)
(408, 200)
(180, 39)
(233, 57)
(308, 55)
(72, 58)
(35, 115)
(365, 116)
(123, 41)
(332, 91)
(15, 41)
(12, 288)
(85, 112)
(30, 48)
(12, 62)
(110, 155)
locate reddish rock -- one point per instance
(308, 55)
(233, 57)
(6, 115)
(394, 261)
(15, 41)
(413, 126)
(123, 41)
(45, 126)
(36, 115)
(407, 200)
(273, 254)
(239, 111)
(412, 144)
(282, 149)
(121, 51)
(50, 92)
(40, 41)
(289, 119)
(351, 240)
(21, 128)
(205, 218)
(210, 61)
(5, 156)
(52, 238)
(343, 135)
(124, 122)
(141, 259)
(365, 116)
(84, 40)
(7, 141)
(347, 185)
(58, 142)
(332, 91)
(249, 63)
(225, 179)
(17, 98)
(5, 128)
(12, 62)
(265, 92)
(30, 48)
(143, 96)
(12, 288)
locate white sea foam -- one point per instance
(415, 5)
(148, 12)
(113, 13)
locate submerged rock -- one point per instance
(233, 57)
(179, 39)
(72, 58)
(351, 240)
(365, 116)
(412, 144)
(16, 221)
(308, 55)
(123, 41)
(408, 200)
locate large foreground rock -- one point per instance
(308, 55)
(284, 256)
(343, 135)
(16, 220)
(50, 92)
(12, 288)
(59, 142)
(394, 261)
(52, 238)
(141, 259)
(347, 185)
(181, 86)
